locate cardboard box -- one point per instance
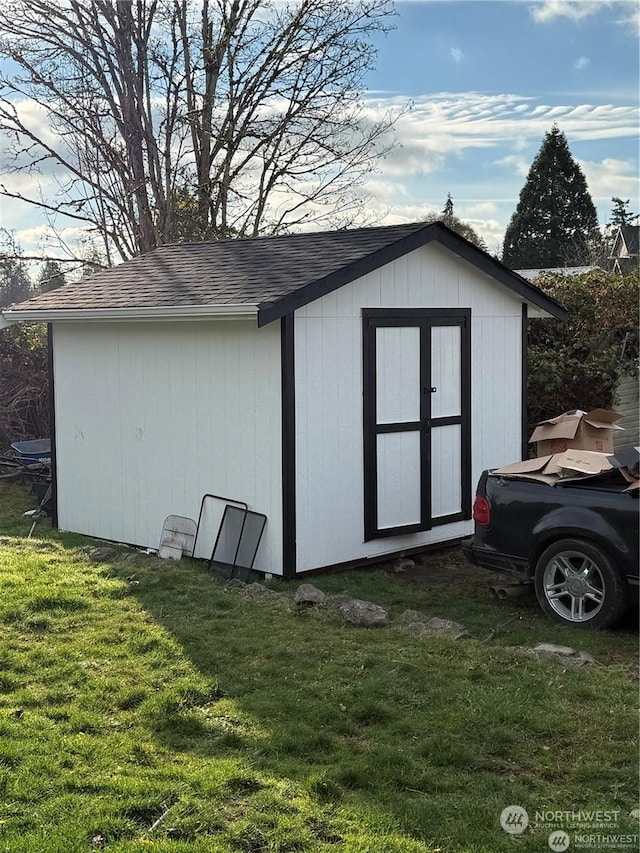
(576, 430)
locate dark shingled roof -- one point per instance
(278, 274)
(631, 234)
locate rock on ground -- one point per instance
(336, 601)
(552, 649)
(417, 629)
(435, 625)
(364, 614)
(418, 624)
(260, 592)
(412, 616)
(307, 593)
(568, 656)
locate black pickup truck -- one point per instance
(576, 541)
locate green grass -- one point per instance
(138, 690)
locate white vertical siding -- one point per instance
(328, 353)
(150, 416)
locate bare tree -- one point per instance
(165, 120)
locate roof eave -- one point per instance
(10, 316)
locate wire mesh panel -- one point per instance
(181, 530)
(209, 520)
(238, 537)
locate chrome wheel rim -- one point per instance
(574, 586)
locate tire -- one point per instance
(577, 584)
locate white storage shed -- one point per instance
(350, 385)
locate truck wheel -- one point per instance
(577, 584)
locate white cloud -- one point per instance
(581, 63)
(632, 21)
(611, 177)
(544, 11)
(446, 124)
(435, 137)
(45, 237)
(480, 209)
(413, 180)
(547, 10)
(456, 54)
(514, 163)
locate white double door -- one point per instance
(416, 419)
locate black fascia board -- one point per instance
(270, 311)
(497, 270)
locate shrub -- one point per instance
(24, 384)
(577, 365)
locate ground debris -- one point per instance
(100, 555)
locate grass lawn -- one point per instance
(146, 690)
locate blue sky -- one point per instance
(487, 79)
(484, 80)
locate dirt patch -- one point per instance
(449, 567)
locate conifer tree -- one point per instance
(452, 221)
(555, 223)
(15, 284)
(51, 276)
(620, 213)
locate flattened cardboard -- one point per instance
(570, 466)
(529, 466)
(576, 430)
(582, 461)
(548, 479)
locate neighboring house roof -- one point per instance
(627, 242)
(532, 275)
(267, 276)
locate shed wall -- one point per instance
(329, 430)
(151, 416)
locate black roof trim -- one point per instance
(274, 310)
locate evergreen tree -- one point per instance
(462, 228)
(15, 284)
(51, 277)
(447, 213)
(555, 223)
(620, 214)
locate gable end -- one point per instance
(276, 309)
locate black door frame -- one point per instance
(424, 319)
